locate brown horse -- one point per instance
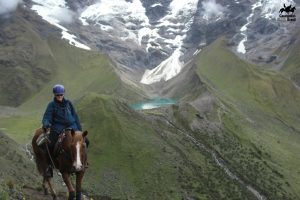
(71, 159)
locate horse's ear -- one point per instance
(84, 134)
(72, 132)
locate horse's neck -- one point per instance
(67, 141)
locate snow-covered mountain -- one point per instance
(152, 40)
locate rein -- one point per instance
(60, 139)
(58, 173)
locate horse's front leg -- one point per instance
(66, 178)
(53, 193)
(45, 186)
(79, 176)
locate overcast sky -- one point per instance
(7, 6)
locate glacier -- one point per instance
(54, 12)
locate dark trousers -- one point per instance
(53, 137)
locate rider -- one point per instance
(59, 115)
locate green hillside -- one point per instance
(33, 58)
(26, 62)
(129, 158)
(247, 116)
(291, 67)
(81, 72)
(260, 121)
(12, 179)
(138, 156)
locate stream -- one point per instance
(219, 161)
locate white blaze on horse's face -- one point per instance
(78, 164)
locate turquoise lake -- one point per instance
(152, 103)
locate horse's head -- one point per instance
(78, 150)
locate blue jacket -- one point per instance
(61, 115)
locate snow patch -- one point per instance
(197, 52)
(172, 66)
(72, 41)
(115, 13)
(129, 21)
(54, 12)
(155, 5)
(106, 28)
(241, 46)
(164, 71)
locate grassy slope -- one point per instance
(292, 65)
(32, 61)
(135, 158)
(81, 72)
(263, 123)
(128, 157)
(12, 179)
(25, 61)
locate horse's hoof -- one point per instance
(71, 196)
(45, 191)
(78, 195)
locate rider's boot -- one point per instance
(48, 172)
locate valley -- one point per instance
(223, 127)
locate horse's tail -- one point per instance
(40, 154)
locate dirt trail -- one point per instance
(6, 111)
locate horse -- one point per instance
(287, 9)
(281, 10)
(71, 159)
(293, 9)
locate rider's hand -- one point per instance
(46, 130)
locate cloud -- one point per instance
(63, 14)
(7, 6)
(212, 9)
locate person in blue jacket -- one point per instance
(59, 115)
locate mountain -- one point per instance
(153, 40)
(25, 60)
(291, 66)
(232, 68)
(33, 56)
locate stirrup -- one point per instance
(48, 172)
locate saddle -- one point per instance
(58, 145)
